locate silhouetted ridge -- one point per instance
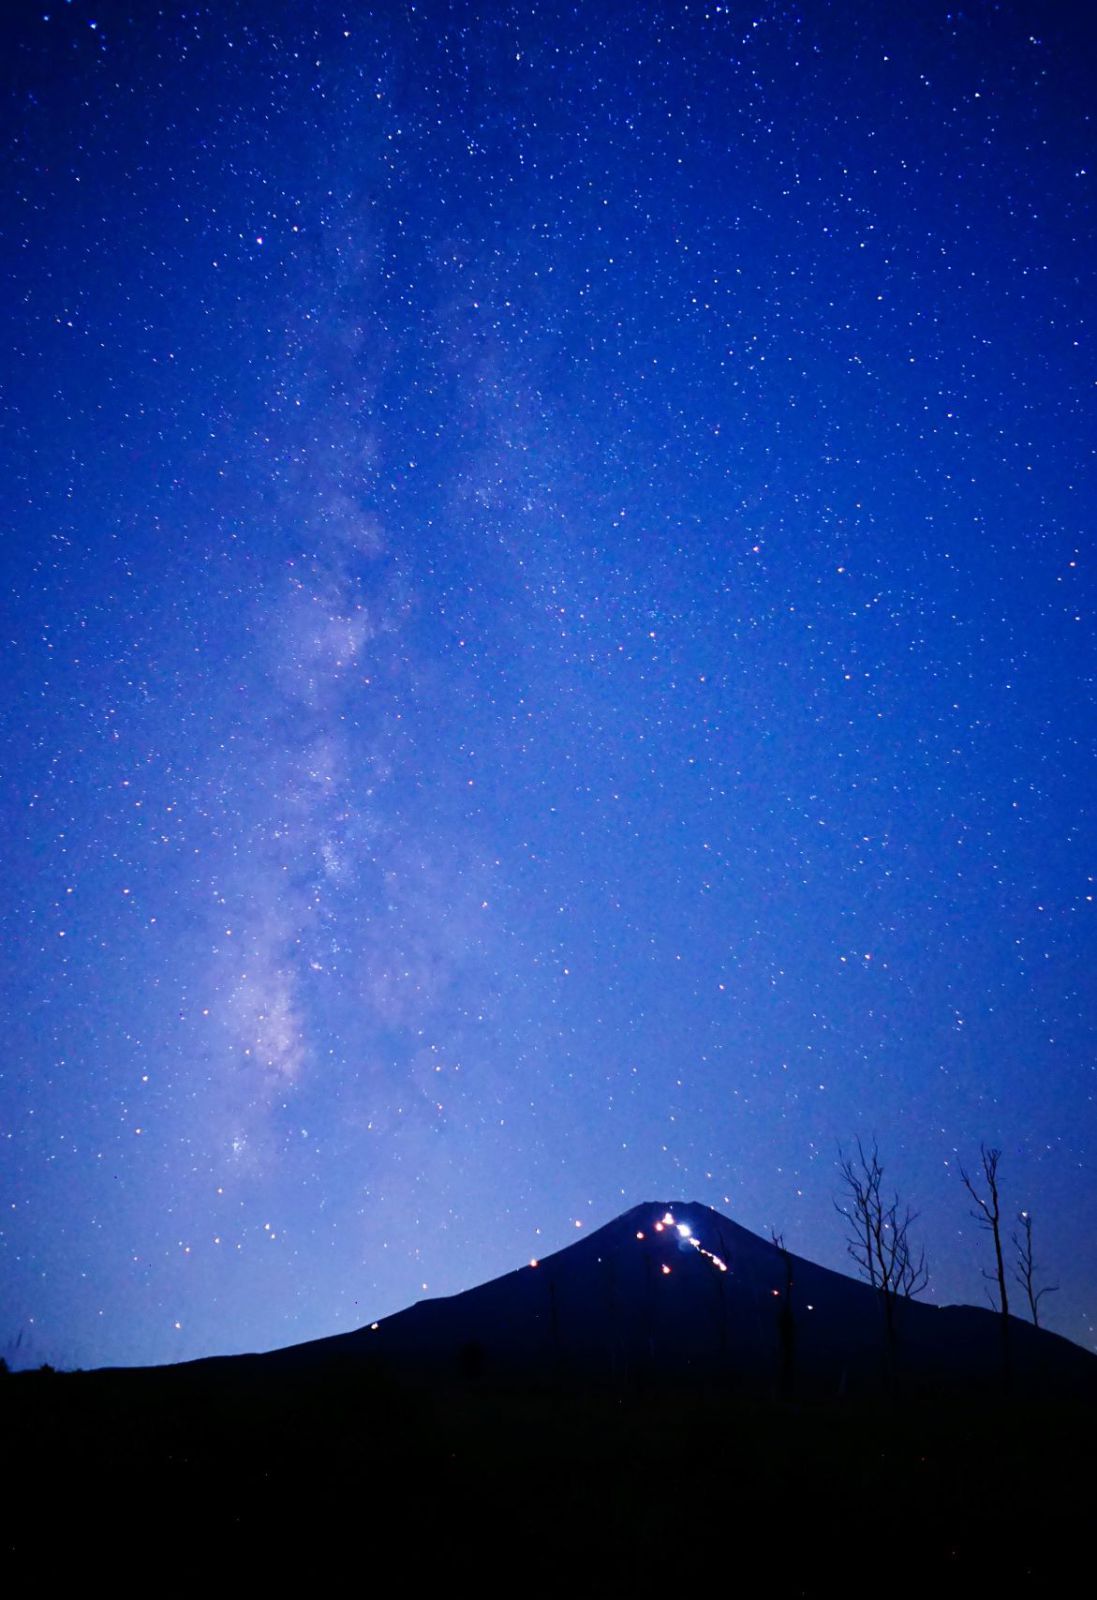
(666, 1387)
(674, 1293)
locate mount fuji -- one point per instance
(668, 1395)
(672, 1294)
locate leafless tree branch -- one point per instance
(878, 1230)
(988, 1214)
(1025, 1270)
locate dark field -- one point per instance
(153, 1475)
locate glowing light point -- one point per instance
(639, 1235)
(666, 1270)
(685, 1232)
(533, 1261)
(373, 1327)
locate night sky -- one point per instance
(549, 659)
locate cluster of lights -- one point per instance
(685, 1232)
(666, 1224)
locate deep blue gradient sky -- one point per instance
(548, 626)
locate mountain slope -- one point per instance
(593, 1417)
(674, 1293)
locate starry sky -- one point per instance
(548, 628)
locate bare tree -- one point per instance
(786, 1320)
(989, 1215)
(1025, 1269)
(878, 1237)
(860, 1204)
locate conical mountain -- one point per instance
(674, 1293)
(667, 1392)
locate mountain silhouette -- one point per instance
(672, 1294)
(668, 1393)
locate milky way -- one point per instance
(549, 655)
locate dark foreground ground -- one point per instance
(222, 1474)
